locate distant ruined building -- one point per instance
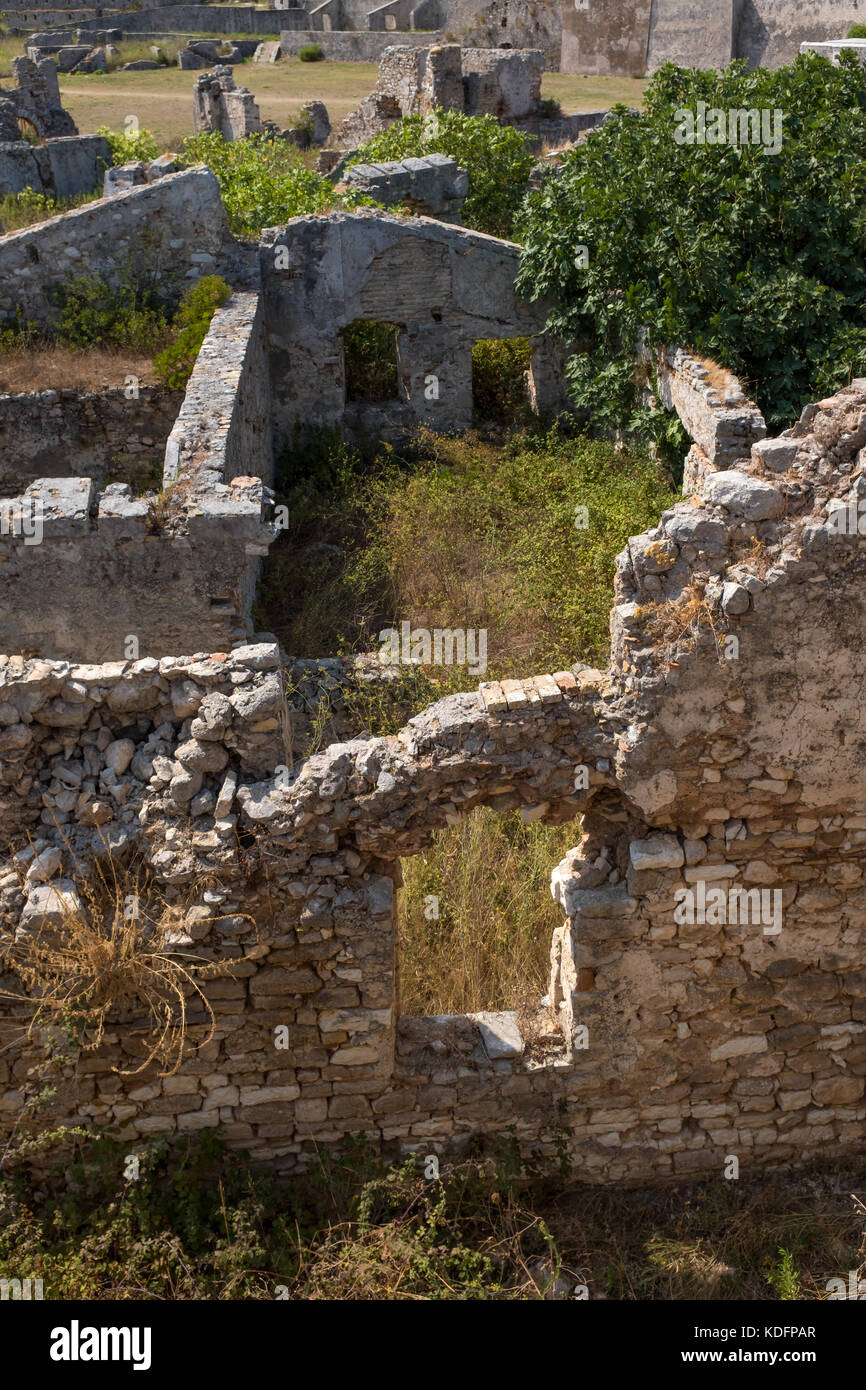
(622, 38)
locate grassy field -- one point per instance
(162, 100)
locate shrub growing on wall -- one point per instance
(496, 158)
(129, 145)
(191, 323)
(752, 257)
(93, 313)
(263, 182)
(310, 53)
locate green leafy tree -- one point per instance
(496, 158)
(750, 257)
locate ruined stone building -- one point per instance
(40, 147)
(620, 37)
(707, 984)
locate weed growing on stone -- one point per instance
(191, 322)
(107, 942)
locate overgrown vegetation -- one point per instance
(496, 158)
(310, 53)
(97, 319)
(25, 209)
(129, 314)
(128, 146)
(751, 257)
(196, 1223)
(263, 182)
(475, 915)
(457, 532)
(370, 354)
(499, 367)
(190, 324)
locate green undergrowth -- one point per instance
(468, 533)
(263, 182)
(30, 206)
(131, 315)
(198, 1223)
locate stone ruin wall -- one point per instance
(669, 1045)
(627, 38)
(176, 227)
(182, 571)
(500, 82)
(722, 747)
(443, 286)
(111, 435)
(183, 566)
(617, 37)
(65, 164)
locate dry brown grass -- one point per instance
(680, 623)
(121, 952)
(52, 368)
(489, 945)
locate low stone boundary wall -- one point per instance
(105, 435)
(354, 45)
(64, 167)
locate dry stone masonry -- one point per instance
(219, 105)
(65, 164)
(707, 992)
(433, 186)
(500, 82)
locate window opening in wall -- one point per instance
(499, 379)
(370, 356)
(28, 131)
(475, 916)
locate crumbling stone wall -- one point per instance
(433, 186)
(35, 98)
(105, 435)
(66, 164)
(444, 286)
(719, 750)
(711, 403)
(182, 568)
(505, 83)
(218, 105)
(177, 226)
(63, 168)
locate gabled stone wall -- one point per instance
(443, 286)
